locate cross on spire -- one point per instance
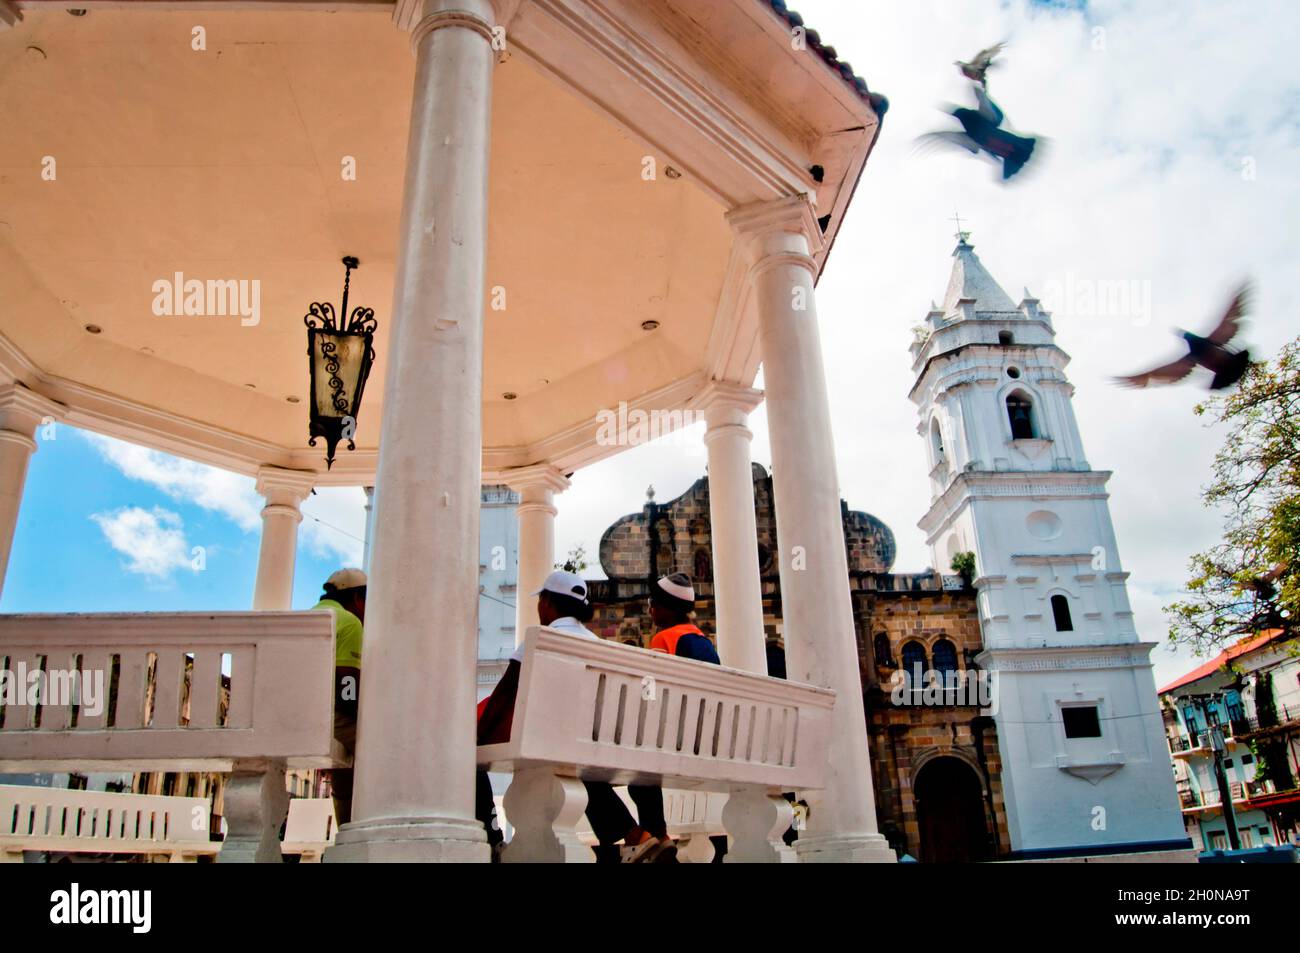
(961, 236)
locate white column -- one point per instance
(821, 647)
(536, 486)
(737, 584)
(414, 780)
(370, 525)
(22, 412)
(284, 491)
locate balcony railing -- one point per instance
(1260, 787)
(1210, 797)
(1278, 717)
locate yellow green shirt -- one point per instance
(347, 635)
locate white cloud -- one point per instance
(334, 524)
(333, 519)
(152, 540)
(220, 491)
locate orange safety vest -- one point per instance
(666, 640)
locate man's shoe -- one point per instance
(668, 855)
(640, 853)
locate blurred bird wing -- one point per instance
(1231, 321)
(987, 107)
(937, 141)
(1165, 374)
(1275, 572)
(984, 58)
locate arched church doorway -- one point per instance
(950, 813)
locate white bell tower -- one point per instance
(1085, 766)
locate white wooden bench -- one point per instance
(279, 713)
(59, 820)
(599, 711)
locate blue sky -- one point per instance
(92, 538)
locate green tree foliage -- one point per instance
(1251, 580)
(576, 561)
(963, 564)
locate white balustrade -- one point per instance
(244, 693)
(58, 820)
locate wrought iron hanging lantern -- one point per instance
(340, 357)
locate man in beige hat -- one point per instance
(345, 596)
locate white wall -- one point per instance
(498, 561)
(1037, 518)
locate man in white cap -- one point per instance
(561, 605)
(345, 596)
(672, 602)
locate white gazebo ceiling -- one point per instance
(228, 164)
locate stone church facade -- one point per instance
(936, 769)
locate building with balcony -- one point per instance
(1251, 692)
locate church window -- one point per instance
(915, 664)
(945, 667)
(1013, 373)
(945, 657)
(703, 565)
(1081, 721)
(1005, 337)
(936, 439)
(1020, 412)
(883, 654)
(1061, 614)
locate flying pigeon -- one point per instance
(1263, 586)
(1211, 352)
(982, 132)
(979, 64)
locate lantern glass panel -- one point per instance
(348, 351)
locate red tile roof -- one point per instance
(1247, 644)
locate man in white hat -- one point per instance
(672, 603)
(345, 597)
(562, 605)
